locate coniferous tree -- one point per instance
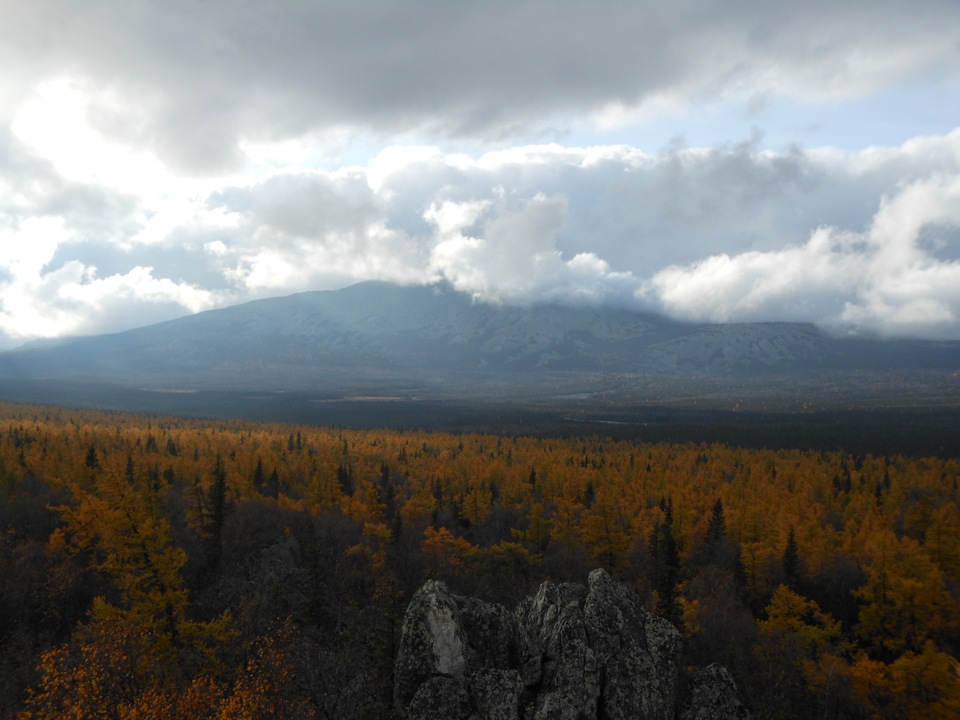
(92, 461)
(589, 495)
(140, 644)
(259, 477)
(345, 479)
(717, 529)
(665, 563)
(791, 560)
(217, 503)
(273, 484)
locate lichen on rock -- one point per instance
(714, 697)
(433, 642)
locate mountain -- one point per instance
(380, 339)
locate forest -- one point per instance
(156, 567)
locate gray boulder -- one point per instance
(458, 647)
(568, 653)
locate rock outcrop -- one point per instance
(714, 696)
(568, 653)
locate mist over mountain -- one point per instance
(382, 338)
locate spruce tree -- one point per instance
(665, 562)
(259, 477)
(791, 560)
(92, 461)
(217, 509)
(717, 529)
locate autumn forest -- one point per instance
(155, 567)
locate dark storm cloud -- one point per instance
(196, 78)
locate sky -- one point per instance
(732, 161)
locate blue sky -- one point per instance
(729, 162)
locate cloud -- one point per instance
(133, 299)
(53, 234)
(307, 229)
(193, 82)
(812, 236)
(863, 241)
(160, 157)
(39, 298)
(881, 280)
(513, 256)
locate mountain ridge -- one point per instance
(378, 337)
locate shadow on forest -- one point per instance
(886, 430)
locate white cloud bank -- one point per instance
(866, 241)
(900, 275)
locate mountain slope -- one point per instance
(376, 336)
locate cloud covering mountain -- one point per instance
(720, 162)
(377, 338)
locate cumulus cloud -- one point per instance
(512, 256)
(306, 230)
(858, 241)
(130, 300)
(880, 280)
(64, 255)
(41, 299)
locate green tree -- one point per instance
(717, 529)
(792, 568)
(217, 510)
(665, 566)
(92, 461)
(259, 477)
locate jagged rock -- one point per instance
(495, 640)
(571, 682)
(432, 643)
(567, 653)
(714, 697)
(640, 653)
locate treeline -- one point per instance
(165, 568)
